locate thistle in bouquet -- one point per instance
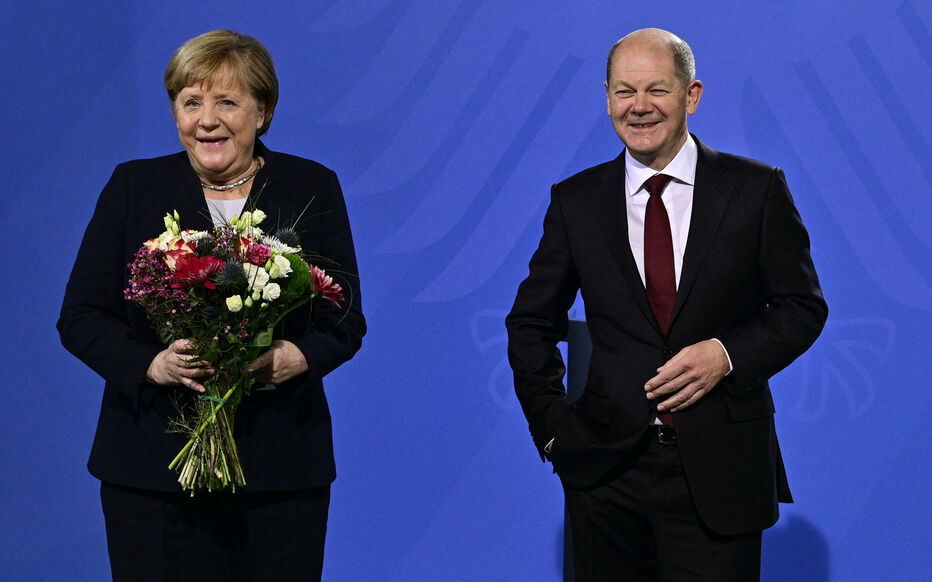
(224, 291)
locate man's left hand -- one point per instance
(688, 376)
(282, 361)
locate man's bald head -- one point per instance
(683, 60)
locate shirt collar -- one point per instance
(682, 168)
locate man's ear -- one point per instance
(693, 95)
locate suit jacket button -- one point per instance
(667, 351)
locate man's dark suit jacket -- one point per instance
(283, 435)
(747, 279)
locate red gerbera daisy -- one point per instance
(191, 271)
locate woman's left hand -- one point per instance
(281, 362)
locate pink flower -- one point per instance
(191, 271)
(257, 254)
(326, 288)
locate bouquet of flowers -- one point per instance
(224, 290)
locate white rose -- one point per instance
(271, 292)
(234, 303)
(257, 276)
(279, 266)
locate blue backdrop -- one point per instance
(447, 123)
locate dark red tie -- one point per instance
(659, 273)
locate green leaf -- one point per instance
(212, 353)
(299, 280)
(263, 338)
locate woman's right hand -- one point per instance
(172, 366)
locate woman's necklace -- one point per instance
(234, 184)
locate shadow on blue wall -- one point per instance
(794, 550)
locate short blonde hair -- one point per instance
(203, 58)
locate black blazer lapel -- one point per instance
(608, 206)
(711, 193)
(268, 195)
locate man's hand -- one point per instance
(283, 361)
(173, 366)
(688, 376)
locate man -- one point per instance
(698, 286)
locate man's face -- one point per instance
(648, 103)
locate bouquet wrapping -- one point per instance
(224, 290)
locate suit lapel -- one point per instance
(258, 191)
(608, 206)
(268, 194)
(711, 193)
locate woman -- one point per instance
(223, 91)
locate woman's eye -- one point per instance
(191, 103)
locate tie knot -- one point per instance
(656, 183)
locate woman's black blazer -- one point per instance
(283, 435)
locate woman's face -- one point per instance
(217, 127)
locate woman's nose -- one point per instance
(208, 119)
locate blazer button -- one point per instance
(667, 352)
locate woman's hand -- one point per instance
(282, 361)
(172, 366)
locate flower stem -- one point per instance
(197, 432)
